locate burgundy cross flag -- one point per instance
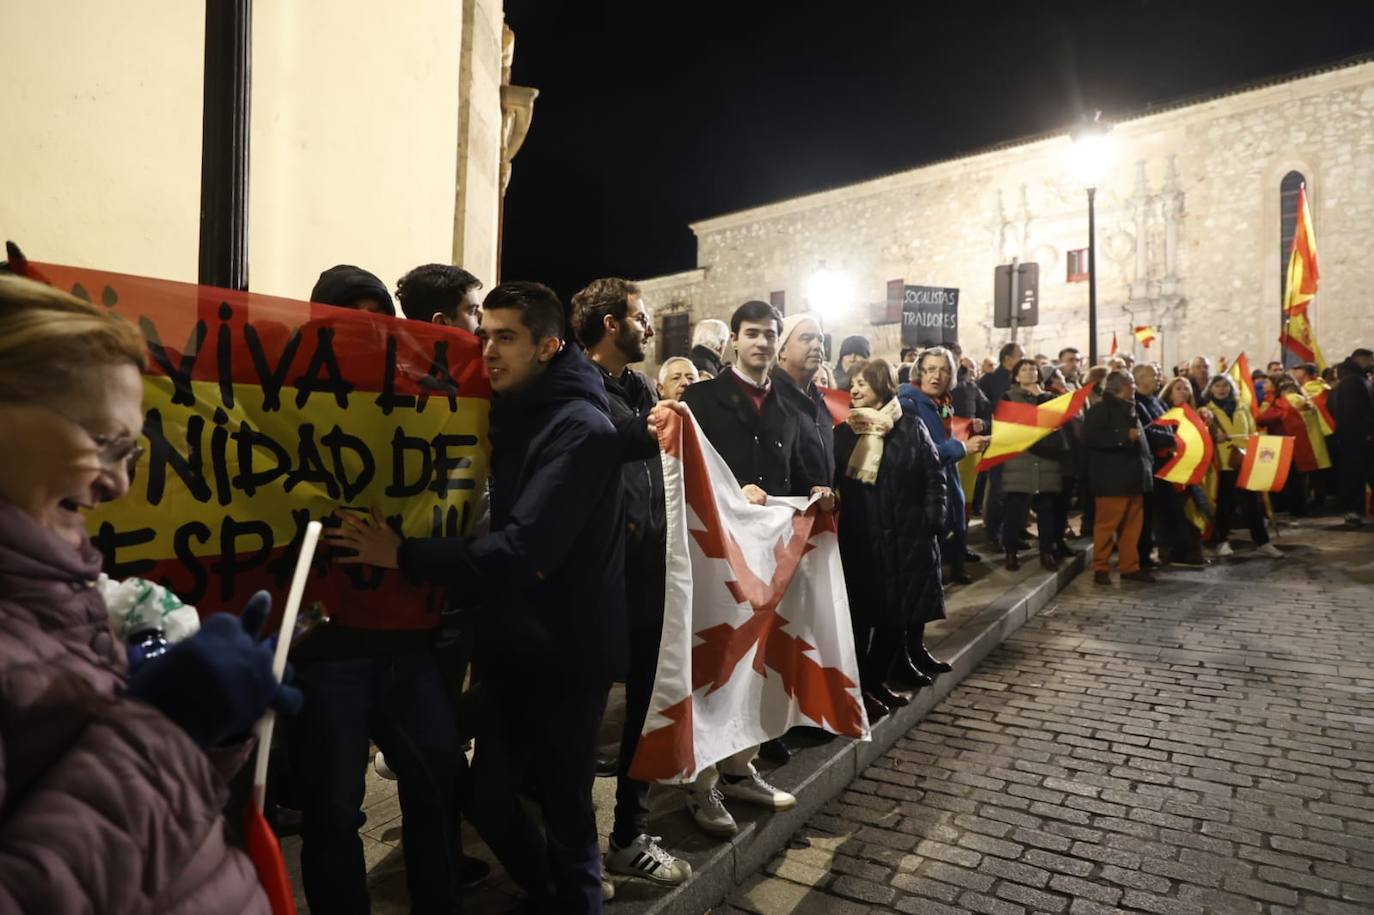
(756, 631)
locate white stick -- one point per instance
(288, 626)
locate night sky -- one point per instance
(654, 114)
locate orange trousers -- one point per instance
(1118, 518)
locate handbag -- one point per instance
(1236, 459)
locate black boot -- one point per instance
(1013, 561)
(925, 662)
(905, 672)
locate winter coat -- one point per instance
(816, 434)
(916, 403)
(761, 447)
(968, 399)
(550, 577)
(106, 805)
(706, 360)
(995, 384)
(1040, 469)
(1280, 417)
(1117, 466)
(631, 398)
(889, 530)
(1149, 408)
(1354, 408)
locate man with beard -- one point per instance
(609, 319)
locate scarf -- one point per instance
(871, 426)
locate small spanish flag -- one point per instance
(1267, 459)
(1245, 385)
(1113, 352)
(1145, 334)
(1017, 426)
(1192, 447)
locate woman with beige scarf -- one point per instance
(892, 490)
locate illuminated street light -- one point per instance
(829, 294)
(1091, 156)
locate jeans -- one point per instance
(1179, 539)
(632, 796)
(403, 704)
(995, 510)
(540, 740)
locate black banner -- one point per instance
(930, 316)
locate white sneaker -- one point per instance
(1353, 519)
(752, 789)
(708, 809)
(383, 770)
(607, 890)
(1224, 549)
(646, 859)
(1271, 551)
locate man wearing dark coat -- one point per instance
(1160, 439)
(709, 341)
(550, 584)
(801, 350)
(1354, 415)
(609, 319)
(1120, 472)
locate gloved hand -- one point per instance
(218, 683)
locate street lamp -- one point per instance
(829, 294)
(1091, 154)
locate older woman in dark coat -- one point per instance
(892, 493)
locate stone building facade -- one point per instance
(1191, 222)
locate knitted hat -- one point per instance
(789, 325)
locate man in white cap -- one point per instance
(801, 352)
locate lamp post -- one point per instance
(1093, 151)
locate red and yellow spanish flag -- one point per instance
(1017, 426)
(1114, 347)
(1267, 459)
(1319, 392)
(1303, 275)
(1145, 334)
(1192, 447)
(1245, 385)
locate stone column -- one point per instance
(1140, 200)
(1173, 210)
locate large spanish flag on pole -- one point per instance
(1267, 459)
(1298, 336)
(1245, 385)
(1192, 447)
(1017, 426)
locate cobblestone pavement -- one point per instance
(1201, 745)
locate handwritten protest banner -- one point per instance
(262, 414)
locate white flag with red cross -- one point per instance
(756, 630)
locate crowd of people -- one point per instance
(115, 783)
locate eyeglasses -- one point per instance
(111, 451)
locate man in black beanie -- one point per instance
(353, 287)
(853, 350)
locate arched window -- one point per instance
(1288, 227)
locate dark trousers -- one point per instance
(1229, 497)
(980, 488)
(1014, 519)
(1146, 546)
(995, 510)
(1357, 472)
(954, 549)
(540, 741)
(878, 649)
(1179, 538)
(401, 703)
(632, 796)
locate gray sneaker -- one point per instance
(708, 809)
(646, 859)
(752, 789)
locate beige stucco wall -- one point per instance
(1210, 171)
(100, 163)
(355, 149)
